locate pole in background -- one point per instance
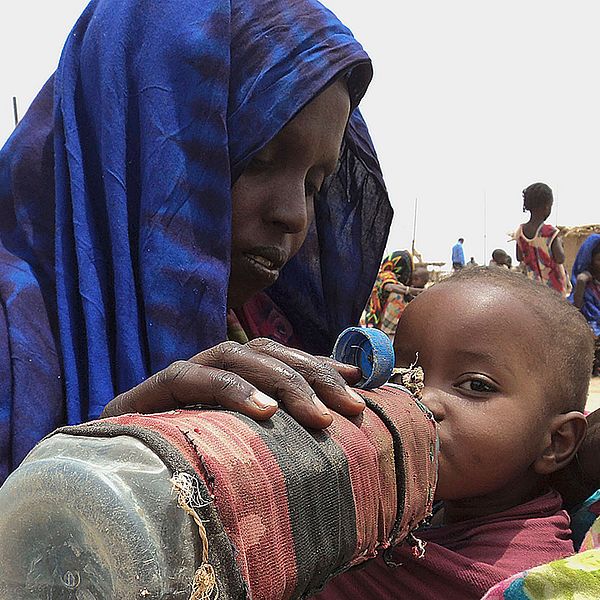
(414, 229)
(15, 111)
(485, 259)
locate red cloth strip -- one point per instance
(243, 468)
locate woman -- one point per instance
(396, 285)
(585, 277)
(146, 200)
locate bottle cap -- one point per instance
(368, 349)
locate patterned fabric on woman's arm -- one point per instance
(394, 307)
(572, 578)
(583, 522)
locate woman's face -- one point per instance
(273, 198)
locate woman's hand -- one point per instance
(396, 288)
(249, 379)
(415, 291)
(584, 277)
(399, 288)
(580, 284)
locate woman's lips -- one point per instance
(261, 260)
(266, 262)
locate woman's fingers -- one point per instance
(185, 383)
(276, 378)
(250, 379)
(350, 373)
(327, 377)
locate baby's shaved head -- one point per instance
(568, 343)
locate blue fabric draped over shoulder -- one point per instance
(583, 261)
(115, 199)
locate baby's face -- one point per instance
(484, 383)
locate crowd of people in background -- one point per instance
(540, 256)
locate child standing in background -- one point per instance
(539, 249)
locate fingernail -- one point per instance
(355, 396)
(263, 401)
(319, 405)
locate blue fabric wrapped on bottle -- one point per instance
(115, 201)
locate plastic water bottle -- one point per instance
(88, 518)
(196, 504)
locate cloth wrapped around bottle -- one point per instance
(275, 510)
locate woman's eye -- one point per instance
(479, 386)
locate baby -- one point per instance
(507, 365)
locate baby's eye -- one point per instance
(477, 385)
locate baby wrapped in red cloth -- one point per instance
(507, 364)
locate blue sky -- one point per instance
(471, 100)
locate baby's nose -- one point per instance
(432, 400)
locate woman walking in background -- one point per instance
(585, 277)
(398, 282)
(539, 249)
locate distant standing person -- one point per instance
(458, 255)
(585, 277)
(539, 249)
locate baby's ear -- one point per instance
(566, 434)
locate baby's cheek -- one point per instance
(449, 483)
(465, 473)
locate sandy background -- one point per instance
(594, 396)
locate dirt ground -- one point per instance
(594, 396)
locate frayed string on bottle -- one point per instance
(418, 550)
(418, 546)
(204, 585)
(412, 378)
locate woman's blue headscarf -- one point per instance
(115, 203)
(591, 302)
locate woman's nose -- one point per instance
(432, 400)
(290, 210)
